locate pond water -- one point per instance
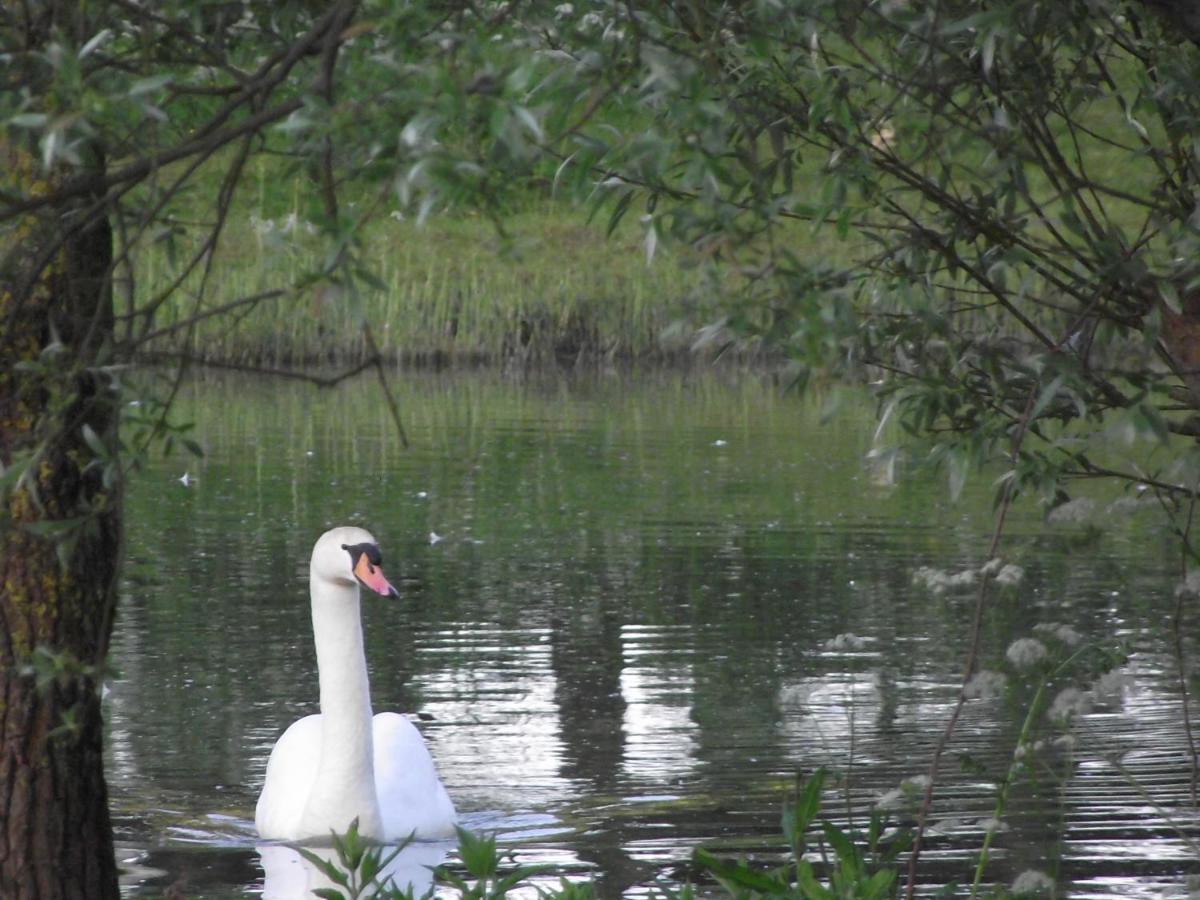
(618, 631)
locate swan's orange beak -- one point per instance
(372, 577)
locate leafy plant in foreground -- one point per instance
(860, 865)
(360, 870)
(358, 867)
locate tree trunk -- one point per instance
(59, 542)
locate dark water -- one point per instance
(621, 603)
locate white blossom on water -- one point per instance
(1032, 883)
(1025, 653)
(984, 684)
(992, 826)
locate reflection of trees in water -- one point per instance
(201, 671)
(586, 660)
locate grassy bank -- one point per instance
(450, 290)
(549, 285)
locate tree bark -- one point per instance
(60, 536)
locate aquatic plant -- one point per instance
(825, 862)
(359, 869)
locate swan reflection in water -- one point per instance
(289, 876)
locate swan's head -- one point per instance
(349, 556)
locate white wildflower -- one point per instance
(947, 826)
(1081, 511)
(892, 799)
(1110, 685)
(910, 790)
(1031, 882)
(991, 567)
(938, 581)
(1124, 506)
(964, 578)
(261, 226)
(1025, 653)
(1010, 575)
(1068, 635)
(1025, 749)
(591, 21)
(985, 684)
(992, 826)
(843, 642)
(1062, 633)
(1190, 586)
(1069, 703)
(563, 10)
(927, 577)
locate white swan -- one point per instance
(328, 769)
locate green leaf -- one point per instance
(957, 466)
(149, 85)
(798, 818)
(326, 867)
(739, 874)
(812, 889)
(879, 884)
(842, 846)
(370, 866)
(478, 853)
(29, 120)
(1045, 396)
(517, 876)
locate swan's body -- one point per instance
(345, 764)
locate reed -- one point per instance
(449, 290)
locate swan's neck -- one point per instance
(344, 788)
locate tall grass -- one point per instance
(449, 290)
